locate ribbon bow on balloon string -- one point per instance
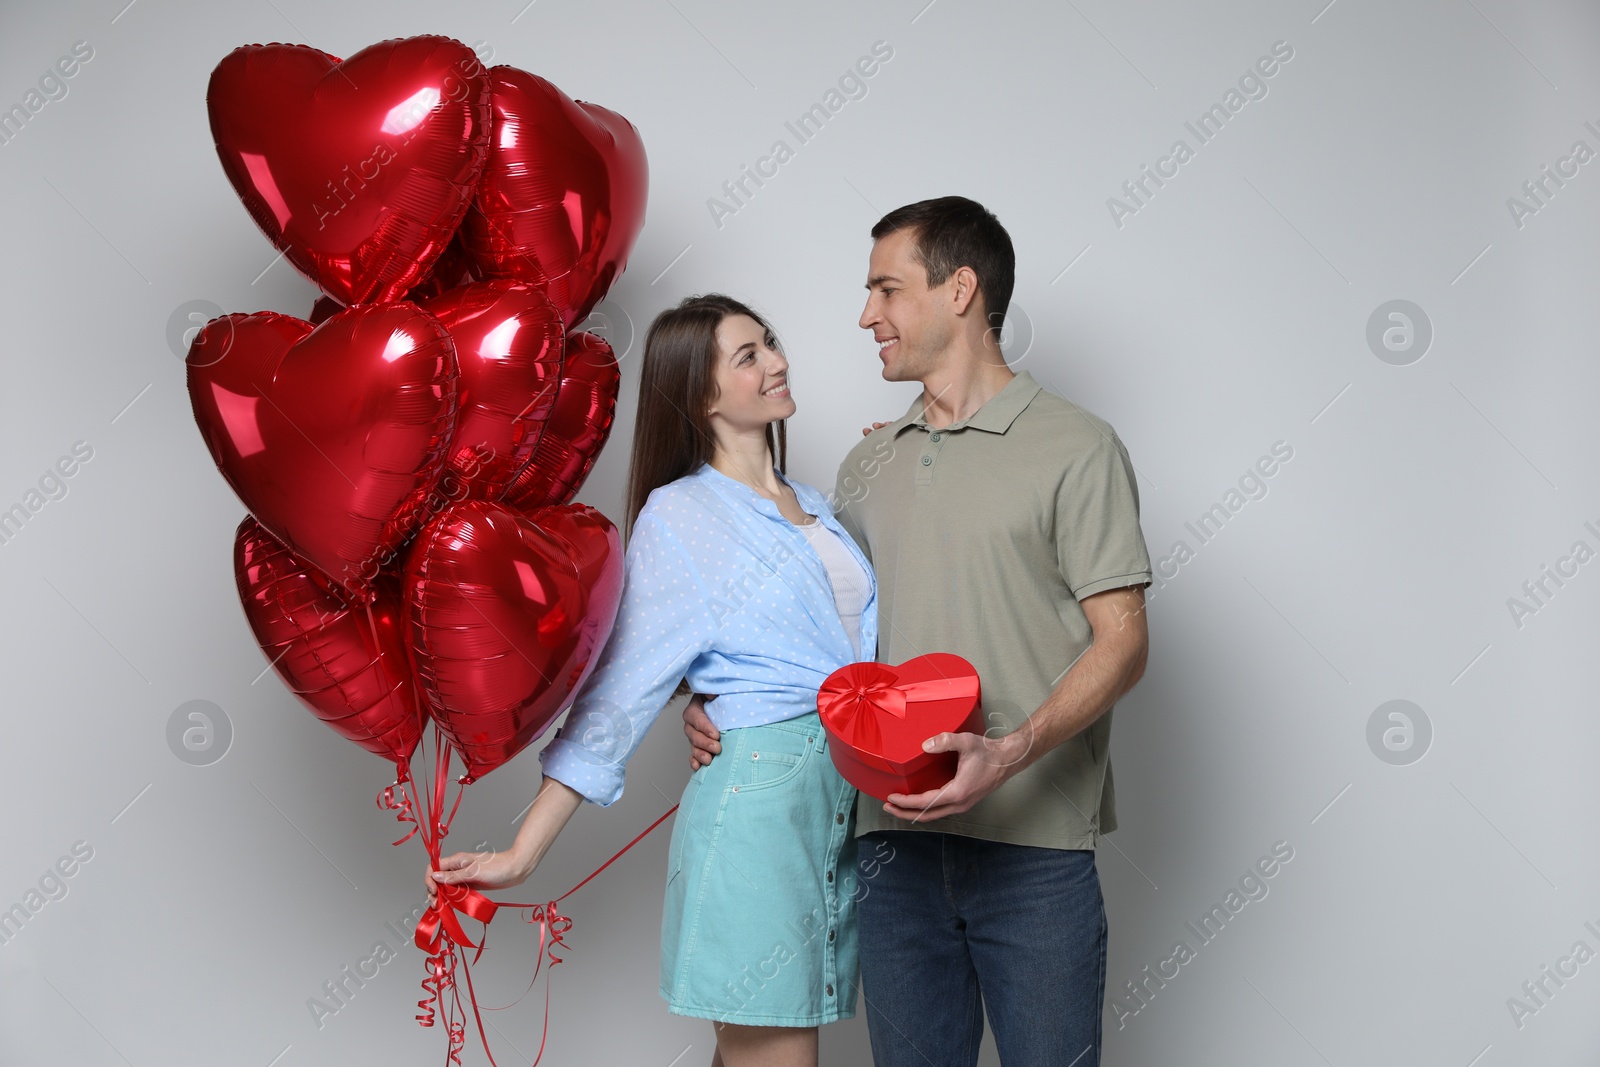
(440, 933)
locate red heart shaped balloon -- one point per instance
(348, 665)
(332, 436)
(450, 270)
(585, 407)
(562, 195)
(877, 717)
(508, 340)
(361, 170)
(508, 613)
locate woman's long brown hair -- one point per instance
(672, 434)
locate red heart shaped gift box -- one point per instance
(877, 717)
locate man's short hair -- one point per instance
(950, 232)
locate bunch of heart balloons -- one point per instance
(409, 455)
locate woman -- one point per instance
(740, 585)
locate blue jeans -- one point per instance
(952, 925)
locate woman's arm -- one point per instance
(663, 624)
(496, 870)
(667, 620)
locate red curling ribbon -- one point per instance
(401, 807)
(439, 932)
(554, 924)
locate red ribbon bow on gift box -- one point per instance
(857, 691)
(878, 717)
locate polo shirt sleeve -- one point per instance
(663, 625)
(1099, 545)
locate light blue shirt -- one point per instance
(721, 589)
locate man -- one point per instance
(1002, 522)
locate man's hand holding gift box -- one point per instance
(896, 732)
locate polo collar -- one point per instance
(995, 416)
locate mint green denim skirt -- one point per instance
(759, 922)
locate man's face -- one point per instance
(912, 323)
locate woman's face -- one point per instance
(751, 376)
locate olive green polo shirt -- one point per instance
(985, 535)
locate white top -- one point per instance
(851, 585)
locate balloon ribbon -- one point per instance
(439, 931)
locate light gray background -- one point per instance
(1229, 313)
